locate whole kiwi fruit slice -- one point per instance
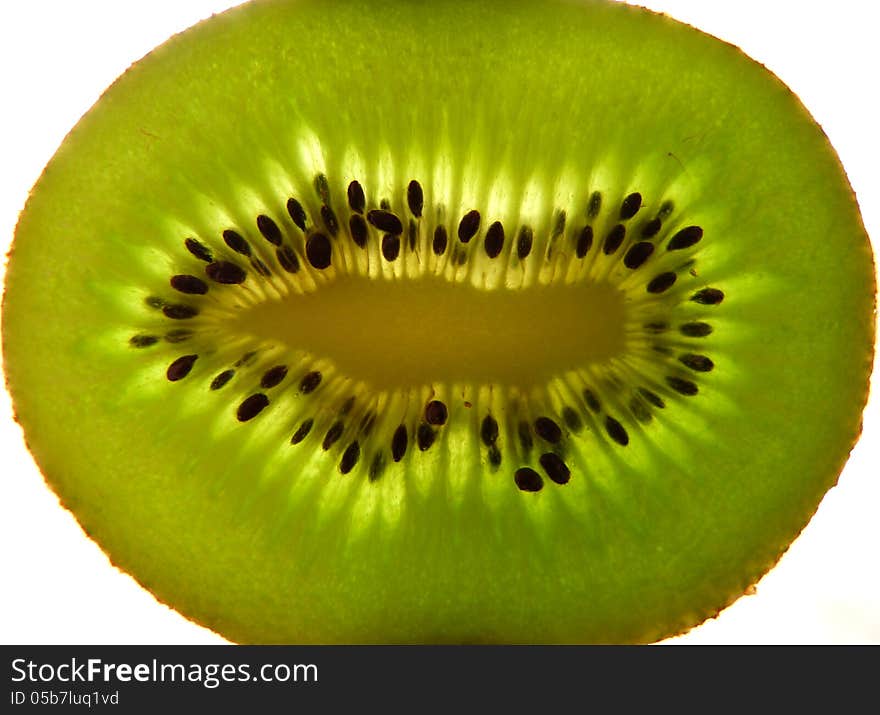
(442, 322)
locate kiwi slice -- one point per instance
(323, 346)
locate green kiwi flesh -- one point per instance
(442, 322)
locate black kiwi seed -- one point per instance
(318, 251)
(269, 229)
(614, 239)
(179, 312)
(225, 272)
(252, 406)
(440, 241)
(698, 363)
(178, 335)
(390, 247)
(652, 228)
(246, 359)
(181, 367)
(558, 225)
(662, 282)
(696, 330)
(685, 238)
(489, 430)
(310, 382)
(143, 341)
(333, 435)
(616, 431)
(347, 406)
(548, 430)
(652, 397)
(436, 413)
(494, 455)
(358, 228)
(592, 401)
(585, 241)
(555, 468)
(376, 467)
(349, 458)
(385, 221)
(682, 386)
(322, 188)
(665, 210)
(595, 205)
(638, 254)
(398, 443)
(356, 199)
(302, 431)
(367, 423)
(494, 242)
(572, 419)
(640, 410)
(273, 376)
(297, 213)
(460, 257)
(199, 250)
(425, 436)
(630, 206)
(469, 225)
(260, 267)
(708, 296)
(415, 199)
(524, 242)
(221, 379)
(329, 219)
(287, 259)
(524, 431)
(237, 242)
(528, 479)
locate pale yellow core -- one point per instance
(397, 334)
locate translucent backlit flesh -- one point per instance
(629, 435)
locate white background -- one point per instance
(56, 57)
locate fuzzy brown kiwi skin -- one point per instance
(684, 627)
